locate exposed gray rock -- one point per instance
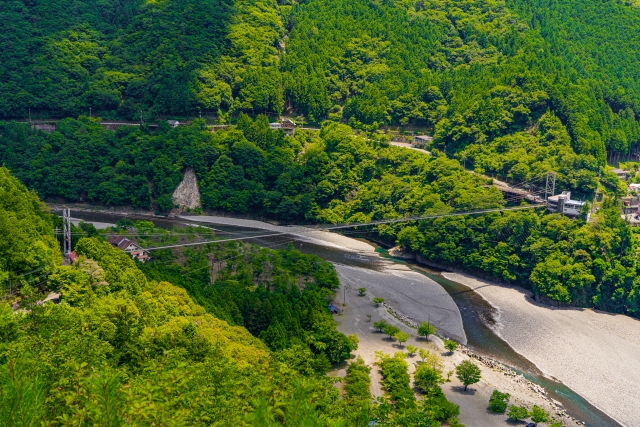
(397, 252)
(187, 194)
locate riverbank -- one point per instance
(378, 270)
(594, 353)
(473, 403)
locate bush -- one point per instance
(427, 377)
(380, 325)
(451, 346)
(357, 381)
(411, 350)
(518, 413)
(395, 380)
(377, 301)
(498, 401)
(362, 291)
(440, 408)
(539, 415)
(425, 329)
(391, 330)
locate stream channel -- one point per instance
(477, 314)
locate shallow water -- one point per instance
(477, 313)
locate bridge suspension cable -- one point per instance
(303, 228)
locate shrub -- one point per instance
(517, 413)
(498, 401)
(451, 346)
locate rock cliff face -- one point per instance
(187, 194)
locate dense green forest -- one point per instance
(122, 348)
(470, 70)
(335, 176)
(127, 58)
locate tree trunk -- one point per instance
(465, 387)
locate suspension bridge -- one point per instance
(535, 191)
(532, 190)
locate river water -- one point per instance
(477, 314)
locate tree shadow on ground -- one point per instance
(460, 389)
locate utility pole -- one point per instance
(141, 118)
(428, 325)
(344, 302)
(90, 112)
(200, 112)
(29, 115)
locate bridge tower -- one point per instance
(66, 232)
(550, 185)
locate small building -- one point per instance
(132, 248)
(622, 174)
(421, 141)
(633, 187)
(288, 126)
(562, 203)
(173, 123)
(275, 126)
(45, 127)
(629, 205)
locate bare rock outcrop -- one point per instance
(397, 252)
(187, 194)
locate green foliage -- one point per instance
(378, 300)
(380, 325)
(123, 348)
(391, 330)
(539, 415)
(450, 345)
(401, 337)
(430, 359)
(68, 56)
(362, 291)
(279, 296)
(427, 377)
(411, 350)
(517, 413)
(395, 380)
(357, 382)
(27, 246)
(144, 354)
(425, 329)
(468, 373)
(498, 401)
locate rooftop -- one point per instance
(120, 241)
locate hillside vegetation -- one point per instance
(122, 348)
(471, 70)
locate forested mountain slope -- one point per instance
(472, 70)
(127, 58)
(596, 41)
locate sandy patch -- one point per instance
(596, 354)
(412, 294)
(473, 403)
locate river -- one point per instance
(477, 314)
